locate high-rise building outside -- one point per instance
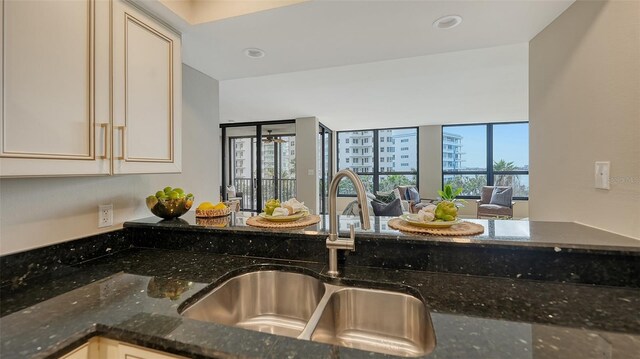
(397, 150)
(242, 153)
(451, 152)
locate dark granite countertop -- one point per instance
(473, 316)
(506, 233)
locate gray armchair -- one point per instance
(487, 209)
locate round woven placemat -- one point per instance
(257, 221)
(459, 229)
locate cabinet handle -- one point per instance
(104, 127)
(123, 145)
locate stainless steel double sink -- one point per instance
(301, 306)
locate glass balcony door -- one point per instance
(242, 154)
(278, 162)
(259, 161)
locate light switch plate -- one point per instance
(602, 174)
(311, 172)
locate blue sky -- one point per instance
(510, 142)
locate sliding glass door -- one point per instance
(278, 162)
(259, 162)
(242, 152)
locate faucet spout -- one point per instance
(333, 196)
(333, 241)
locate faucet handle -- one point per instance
(352, 237)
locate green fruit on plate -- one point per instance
(167, 190)
(446, 211)
(179, 190)
(160, 194)
(270, 205)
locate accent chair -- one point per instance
(495, 201)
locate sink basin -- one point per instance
(267, 301)
(376, 320)
(301, 306)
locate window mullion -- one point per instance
(490, 155)
(376, 164)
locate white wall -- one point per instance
(307, 186)
(585, 107)
(36, 212)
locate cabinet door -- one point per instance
(80, 353)
(147, 94)
(54, 98)
(126, 351)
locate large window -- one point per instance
(384, 158)
(486, 155)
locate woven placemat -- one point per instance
(256, 221)
(459, 229)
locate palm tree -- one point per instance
(503, 165)
(505, 179)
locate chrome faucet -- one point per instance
(333, 241)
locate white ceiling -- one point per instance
(484, 85)
(312, 47)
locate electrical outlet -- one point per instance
(105, 215)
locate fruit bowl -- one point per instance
(208, 213)
(171, 208)
(209, 210)
(171, 205)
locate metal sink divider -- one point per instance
(317, 313)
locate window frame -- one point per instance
(376, 173)
(489, 172)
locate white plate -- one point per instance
(289, 218)
(413, 220)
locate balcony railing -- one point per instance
(282, 189)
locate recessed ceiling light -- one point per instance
(254, 53)
(447, 22)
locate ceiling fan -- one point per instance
(270, 138)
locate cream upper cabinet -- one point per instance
(54, 99)
(89, 87)
(147, 98)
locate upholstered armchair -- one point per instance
(414, 205)
(498, 204)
